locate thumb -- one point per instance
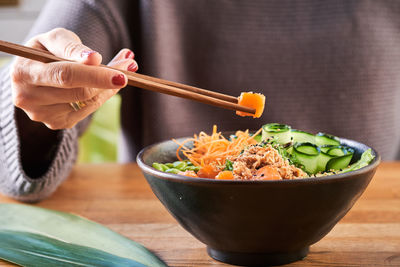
(66, 44)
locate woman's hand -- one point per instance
(44, 90)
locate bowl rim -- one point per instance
(182, 178)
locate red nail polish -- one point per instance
(133, 67)
(86, 54)
(129, 54)
(118, 79)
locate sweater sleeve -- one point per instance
(100, 26)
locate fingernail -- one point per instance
(118, 79)
(87, 53)
(129, 54)
(133, 67)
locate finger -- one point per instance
(99, 99)
(63, 116)
(72, 75)
(76, 116)
(124, 61)
(43, 95)
(124, 64)
(54, 114)
(58, 116)
(124, 53)
(94, 103)
(34, 42)
(91, 106)
(66, 44)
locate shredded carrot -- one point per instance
(215, 148)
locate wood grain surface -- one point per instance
(119, 197)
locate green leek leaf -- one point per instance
(74, 230)
(28, 249)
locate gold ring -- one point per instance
(78, 105)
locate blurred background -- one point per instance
(99, 143)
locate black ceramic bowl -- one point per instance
(256, 222)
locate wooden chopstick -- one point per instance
(139, 80)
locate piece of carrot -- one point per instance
(207, 171)
(224, 175)
(251, 100)
(267, 173)
(189, 173)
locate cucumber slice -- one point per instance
(302, 137)
(306, 148)
(325, 148)
(322, 139)
(336, 151)
(280, 132)
(330, 152)
(339, 151)
(314, 153)
(339, 163)
(323, 159)
(306, 155)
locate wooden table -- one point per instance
(119, 197)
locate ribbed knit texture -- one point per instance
(330, 66)
(13, 180)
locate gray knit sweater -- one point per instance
(331, 66)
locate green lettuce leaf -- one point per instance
(366, 158)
